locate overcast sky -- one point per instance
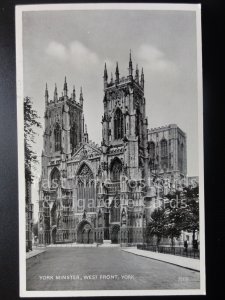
(76, 44)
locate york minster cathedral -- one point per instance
(91, 193)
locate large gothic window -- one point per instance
(164, 154)
(73, 135)
(116, 169)
(86, 189)
(180, 156)
(55, 178)
(137, 122)
(57, 137)
(163, 148)
(118, 125)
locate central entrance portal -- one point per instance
(115, 234)
(85, 233)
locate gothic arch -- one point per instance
(118, 124)
(85, 232)
(164, 153)
(86, 190)
(57, 134)
(164, 147)
(73, 135)
(115, 169)
(82, 165)
(115, 234)
(54, 178)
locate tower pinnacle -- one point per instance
(105, 77)
(142, 79)
(55, 94)
(137, 74)
(117, 73)
(74, 94)
(81, 97)
(46, 94)
(130, 66)
(65, 87)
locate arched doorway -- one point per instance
(85, 234)
(115, 234)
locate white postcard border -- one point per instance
(20, 133)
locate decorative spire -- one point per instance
(55, 93)
(65, 87)
(105, 77)
(105, 73)
(74, 94)
(142, 78)
(46, 89)
(137, 74)
(85, 134)
(117, 73)
(130, 66)
(46, 94)
(81, 96)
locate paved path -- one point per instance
(186, 262)
(105, 268)
(34, 252)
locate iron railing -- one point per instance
(180, 251)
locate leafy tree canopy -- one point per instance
(30, 124)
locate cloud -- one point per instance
(154, 59)
(57, 51)
(80, 54)
(75, 53)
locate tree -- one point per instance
(174, 221)
(30, 123)
(191, 223)
(156, 226)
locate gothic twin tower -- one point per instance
(81, 197)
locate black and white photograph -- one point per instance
(110, 149)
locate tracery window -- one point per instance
(55, 178)
(137, 122)
(116, 169)
(73, 135)
(164, 154)
(86, 189)
(118, 125)
(57, 133)
(180, 156)
(164, 151)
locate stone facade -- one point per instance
(90, 193)
(167, 150)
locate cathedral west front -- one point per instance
(95, 194)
